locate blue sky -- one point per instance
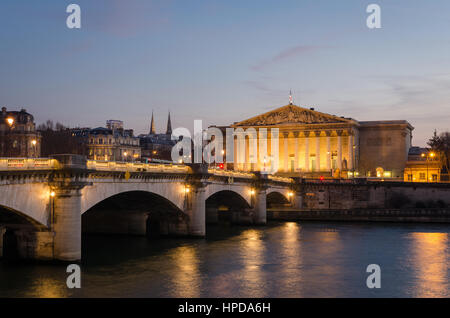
(223, 61)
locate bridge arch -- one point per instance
(135, 212)
(243, 190)
(98, 192)
(31, 200)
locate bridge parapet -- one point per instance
(231, 173)
(136, 167)
(13, 164)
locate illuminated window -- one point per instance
(422, 176)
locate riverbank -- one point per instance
(422, 215)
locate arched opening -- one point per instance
(18, 234)
(135, 213)
(276, 200)
(227, 206)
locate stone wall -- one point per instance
(365, 215)
(375, 195)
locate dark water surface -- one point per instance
(279, 260)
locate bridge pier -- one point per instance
(297, 200)
(66, 223)
(196, 210)
(260, 206)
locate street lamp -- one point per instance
(10, 121)
(428, 156)
(125, 154)
(34, 142)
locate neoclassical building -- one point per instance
(315, 144)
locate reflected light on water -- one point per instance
(429, 254)
(48, 288)
(186, 276)
(252, 257)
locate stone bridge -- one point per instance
(46, 203)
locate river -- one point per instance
(278, 260)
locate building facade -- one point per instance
(157, 147)
(113, 143)
(423, 165)
(315, 144)
(18, 135)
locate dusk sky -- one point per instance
(224, 61)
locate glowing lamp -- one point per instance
(10, 121)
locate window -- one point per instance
(422, 176)
(410, 177)
(434, 178)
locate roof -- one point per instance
(292, 114)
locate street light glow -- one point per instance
(10, 121)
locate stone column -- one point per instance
(235, 155)
(307, 153)
(66, 223)
(285, 152)
(296, 150)
(339, 152)
(350, 153)
(328, 152)
(317, 151)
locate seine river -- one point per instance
(279, 260)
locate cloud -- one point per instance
(286, 54)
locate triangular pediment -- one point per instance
(292, 114)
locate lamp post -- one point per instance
(33, 143)
(428, 156)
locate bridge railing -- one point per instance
(231, 173)
(7, 164)
(136, 167)
(281, 179)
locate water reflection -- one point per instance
(252, 259)
(291, 260)
(430, 259)
(47, 287)
(186, 274)
(280, 260)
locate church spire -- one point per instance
(169, 126)
(152, 126)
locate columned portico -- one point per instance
(339, 151)
(317, 137)
(328, 151)
(296, 157)
(286, 151)
(350, 152)
(311, 143)
(307, 169)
